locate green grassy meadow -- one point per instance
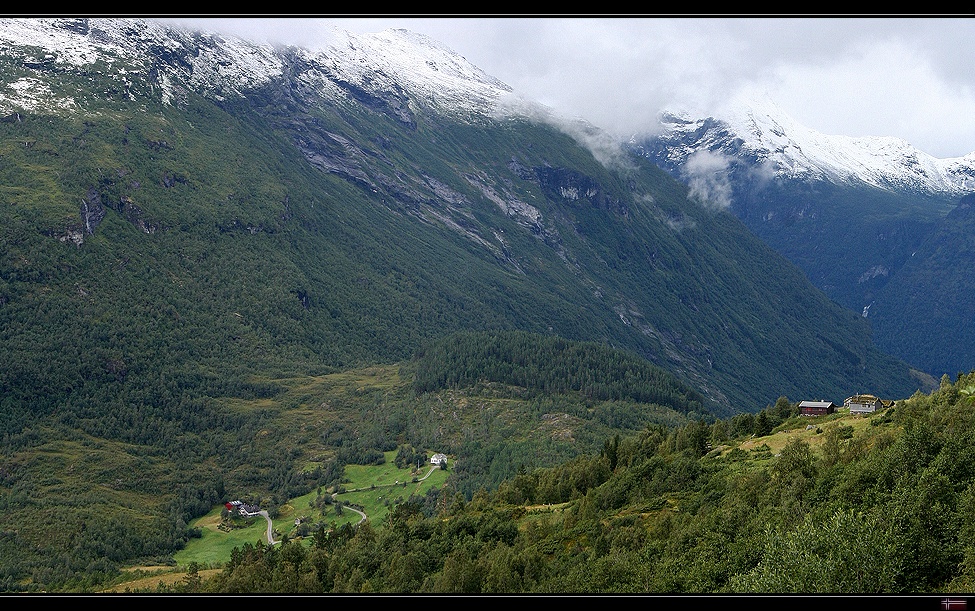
(374, 489)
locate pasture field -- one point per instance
(373, 489)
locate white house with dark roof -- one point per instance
(438, 459)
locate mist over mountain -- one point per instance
(853, 213)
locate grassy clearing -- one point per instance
(812, 430)
(375, 489)
(756, 453)
(152, 577)
(214, 547)
(376, 492)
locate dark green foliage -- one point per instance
(549, 365)
(763, 424)
(672, 523)
(924, 313)
(899, 258)
(407, 456)
(785, 409)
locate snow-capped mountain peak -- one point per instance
(423, 66)
(760, 131)
(162, 57)
(129, 50)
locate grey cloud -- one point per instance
(706, 174)
(833, 74)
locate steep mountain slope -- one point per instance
(444, 218)
(931, 297)
(191, 224)
(851, 212)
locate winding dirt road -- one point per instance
(270, 528)
(270, 525)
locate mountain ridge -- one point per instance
(550, 205)
(227, 65)
(760, 130)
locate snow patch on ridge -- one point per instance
(394, 60)
(397, 58)
(213, 64)
(67, 45)
(760, 129)
(31, 94)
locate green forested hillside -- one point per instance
(850, 241)
(900, 259)
(841, 504)
(83, 497)
(550, 365)
(191, 290)
(931, 297)
(897, 255)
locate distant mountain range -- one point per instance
(861, 216)
(773, 144)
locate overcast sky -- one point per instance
(908, 77)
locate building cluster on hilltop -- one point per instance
(242, 508)
(857, 404)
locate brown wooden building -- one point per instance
(816, 408)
